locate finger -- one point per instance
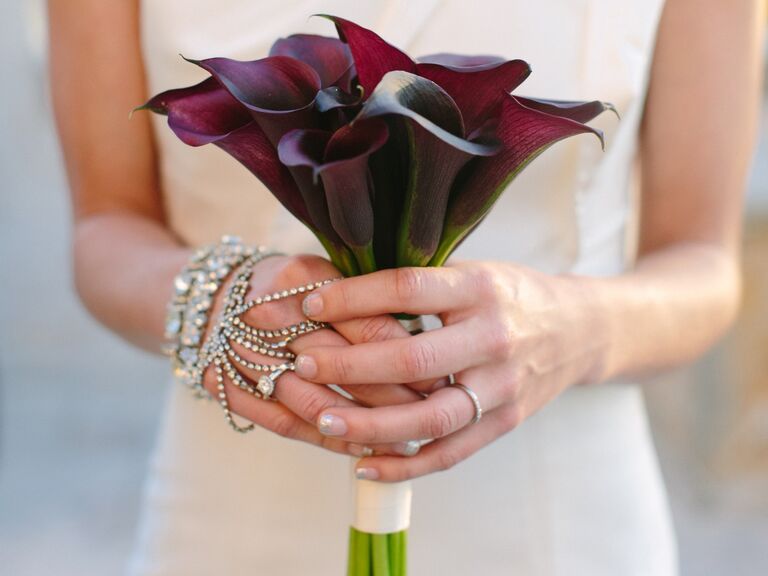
(378, 329)
(410, 448)
(431, 354)
(438, 415)
(277, 274)
(306, 400)
(442, 454)
(410, 290)
(372, 394)
(275, 418)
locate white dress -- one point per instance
(574, 491)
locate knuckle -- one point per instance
(310, 404)
(447, 458)
(371, 433)
(375, 329)
(510, 417)
(486, 283)
(342, 371)
(269, 316)
(500, 340)
(417, 359)
(439, 422)
(285, 425)
(408, 283)
(303, 268)
(340, 293)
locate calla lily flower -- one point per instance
(333, 171)
(390, 161)
(436, 148)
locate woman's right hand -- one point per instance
(300, 403)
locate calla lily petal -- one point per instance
(574, 110)
(349, 186)
(250, 146)
(302, 151)
(329, 57)
(279, 91)
(373, 56)
(525, 133)
(460, 61)
(334, 97)
(479, 90)
(436, 151)
(389, 169)
(425, 103)
(207, 113)
(200, 114)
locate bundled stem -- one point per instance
(377, 554)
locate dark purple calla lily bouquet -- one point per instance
(390, 162)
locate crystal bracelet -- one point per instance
(188, 312)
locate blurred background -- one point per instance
(76, 429)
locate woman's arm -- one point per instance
(124, 256)
(518, 337)
(697, 140)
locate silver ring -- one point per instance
(474, 398)
(267, 382)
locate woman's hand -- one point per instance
(516, 337)
(299, 402)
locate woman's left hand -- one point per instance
(515, 336)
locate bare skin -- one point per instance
(516, 336)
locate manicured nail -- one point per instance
(312, 305)
(360, 450)
(410, 448)
(331, 425)
(305, 366)
(366, 473)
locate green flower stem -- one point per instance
(449, 242)
(366, 261)
(377, 554)
(380, 553)
(359, 561)
(341, 257)
(397, 553)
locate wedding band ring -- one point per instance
(474, 398)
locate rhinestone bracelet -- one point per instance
(194, 290)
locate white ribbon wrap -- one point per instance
(382, 507)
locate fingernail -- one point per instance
(359, 450)
(331, 425)
(312, 305)
(410, 448)
(366, 473)
(305, 366)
